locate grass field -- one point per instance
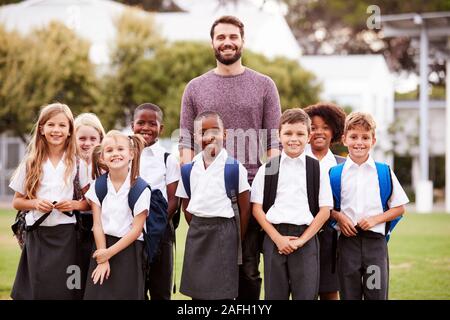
(419, 253)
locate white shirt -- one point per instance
(117, 219)
(208, 193)
(360, 194)
(291, 202)
(53, 187)
(326, 163)
(153, 169)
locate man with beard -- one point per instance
(250, 107)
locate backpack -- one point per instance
(156, 221)
(385, 186)
(231, 176)
(312, 183)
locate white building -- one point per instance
(362, 82)
(94, 20)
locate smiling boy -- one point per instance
(362, 245)
(291, 209)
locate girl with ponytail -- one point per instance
(116, 268)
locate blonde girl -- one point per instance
(43, 185)
(116, 270)
(89, 133)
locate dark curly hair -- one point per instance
(333, 116)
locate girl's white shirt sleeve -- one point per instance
(91, 195)
(173, 170)
(18, 181)
(83, 174)
(243, 181)
(143, 203)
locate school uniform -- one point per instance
(210, 266)
(85, 236)
(126, 281)
(360, 198)
(159, 173)
(51, 248)
(298, 272)
(329, 281)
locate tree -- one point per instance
(50, 64)
(162, 78)
(340, 27)
(136, 39)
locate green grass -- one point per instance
(419, 253)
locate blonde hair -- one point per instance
(136, 145)
(91, 120)
(37, 150)
(360, 119)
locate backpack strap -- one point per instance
(231, 176)
(166, 155)
(313, 184)
(186, 170)
(385, 183)
(335, 181)
(135, 192)
(386, 188)
(272, 171)
(101, 187)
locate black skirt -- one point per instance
(126, 279)
(210, 266)
(47, 265)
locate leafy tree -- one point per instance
(50, 64)
(162, 79)
(136, 39)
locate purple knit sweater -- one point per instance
(249, 105)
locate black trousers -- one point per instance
(159, 277)
(363, 266)
(249, 275)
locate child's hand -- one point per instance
(65, 205)
(43, 205)
(368, 223)
(101, 272)
(283, 244)
(102, 255)
(297, 243)
(346, 225)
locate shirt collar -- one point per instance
(301, 158)
(329, 157)
(153, 149)
(369, 162)
(222, 156)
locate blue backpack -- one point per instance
(385, 186)
(156, 221)
(231, 176)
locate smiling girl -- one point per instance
(43, 186)
(117, 271)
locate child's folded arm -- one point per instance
(317, 223)
(387, 216)
(282, 242)
(345, 224)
